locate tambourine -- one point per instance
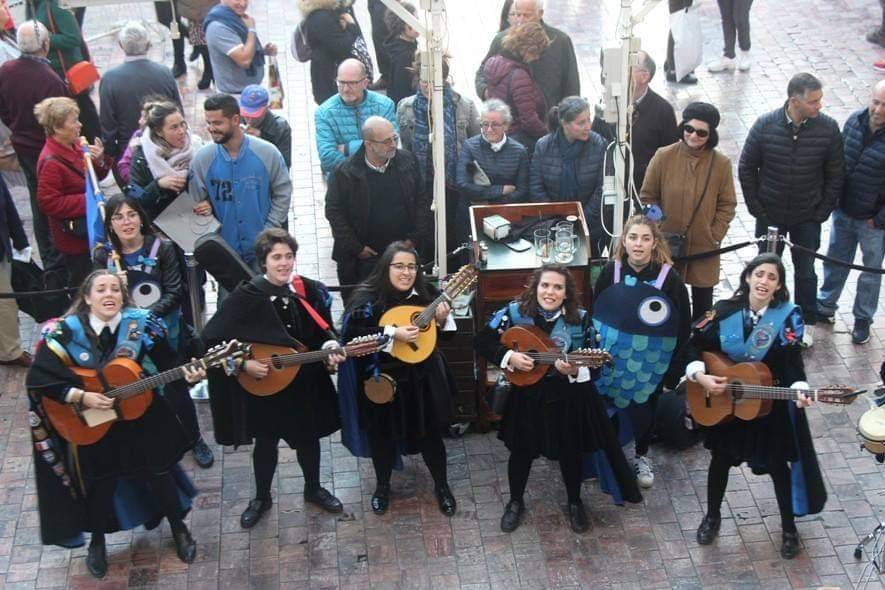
(380, 389)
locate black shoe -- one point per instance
(877, 36)
(688, 79)
(179, 69)
(577, 517)
(671, 75)
(97, 561)
(381, 500)
(322, 498)
(195, 53)
(512, 515)
(790, 546)
(203, 454)
(861, 332)
(708, 530)
(185, 546)
(253, 513)
(447, 504)
(207, 78)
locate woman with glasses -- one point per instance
(692, 183)
(417, 409)
(492, 167)
(160, 162)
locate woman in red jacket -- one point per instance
(61, 183)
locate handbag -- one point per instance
(300, 45)
(676, 241)
(74, 226)
(81, 76)
(28, 277)
(688, 40)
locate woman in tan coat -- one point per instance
(692, 183)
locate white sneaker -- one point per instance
(720, 65)
(808, 337)
(644, 473)
(744, 61)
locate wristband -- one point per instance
(253, 31)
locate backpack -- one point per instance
(300, 46)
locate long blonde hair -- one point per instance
(660, 254)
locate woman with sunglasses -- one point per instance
(692, 183)
(413, 420)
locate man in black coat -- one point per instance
(791, 176)
(654, 122)
(555, 71)
(376, 197)
(12, 235)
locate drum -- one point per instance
(380, 389)
(871, 430)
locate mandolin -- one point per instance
(123, 380)
(749, 393)
(285, 362)
(422, 317)
(533, 342)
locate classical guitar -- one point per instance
(284, 362)
(749, 393)
(123, 380)
(538, 346)
(423, 317)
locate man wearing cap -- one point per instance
(262, 123)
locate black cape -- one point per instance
(304, 411)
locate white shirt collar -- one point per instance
(757, 315)
(378, 169)
(496, 147)
(98, 325)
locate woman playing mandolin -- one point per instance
(153, 277)
(413, 420)
(760, 324)
(560, 417)
(99, 328)
(270, 310)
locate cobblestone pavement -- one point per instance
(646, 546)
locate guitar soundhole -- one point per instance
(737, 393)
(275, 361)
(414, 320)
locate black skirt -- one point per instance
(150, 445)
(770, 439)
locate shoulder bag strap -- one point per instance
(64, 163)
(54, 29)
(703, 194)
(301, 295)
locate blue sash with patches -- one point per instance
(82, 352)
(566, 336)
(761, 338)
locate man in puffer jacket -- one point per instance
(791, 175)
(339, 120)
(860, 218)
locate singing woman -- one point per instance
(759, 323)
(76, 484)
(561, 417)
(414, 420)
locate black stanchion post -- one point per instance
(200, 391)
(771, 238)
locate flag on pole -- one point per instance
(94, 203)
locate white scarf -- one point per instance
(164, 160)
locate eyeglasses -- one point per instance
(403, 267)
(487, 125)
(392, 140)
(702, 133)
(350, 82)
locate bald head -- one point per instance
(376, 127)
(33, 38)
(877, 106)
(351, 68)
(352, 81)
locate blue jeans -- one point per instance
(845, 236)
(805, 234)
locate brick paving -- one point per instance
(646, 546)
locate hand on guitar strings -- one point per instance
(566, 368)
(97, 401)
(334, 359)
(442, 313)
(711, 383)
(520, 361)
(407, 333)
(256, 369)
(194, 373)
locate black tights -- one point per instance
(99, 503)
(520, 464)
(433, 450)
(717, 480)
(264, 460)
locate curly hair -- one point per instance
(659, 255)
(526, 41)
(52, 113)
(528, 299)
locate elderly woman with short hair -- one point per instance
(492, 167)
(61, 182)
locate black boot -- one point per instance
(446, 500)
(512, 515)
(254, 512)
(97, 559)
(381, 499)
(179, 68)
(790, 546)
(185, 546)
(207, 78)
(577, 517)
(708, 530)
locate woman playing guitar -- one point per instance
(759, 323)
(414, 419)
(268, 310)
(100, 327)
(561, 417)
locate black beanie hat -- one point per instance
(702, 111)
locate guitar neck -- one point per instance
(152, 382)
(313, 356)
(548, 358)
(426, 316)
(770, 392)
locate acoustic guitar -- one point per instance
(123, 380)
(749, 393)
(423, 317)
(284, 362)
(533, 342)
